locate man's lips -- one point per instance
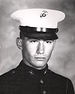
(40, 58)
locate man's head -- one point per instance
(37, 34)
(36, 52)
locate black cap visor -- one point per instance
(40, 35)
(31, 32)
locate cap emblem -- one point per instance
(43, 14)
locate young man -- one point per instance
(37, 39)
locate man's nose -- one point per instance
(40, 47)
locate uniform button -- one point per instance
(41, 81)
(13, 71)
(31, 72)
(45, 72)
(44, 92)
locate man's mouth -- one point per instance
(40, 58)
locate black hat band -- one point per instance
(32, 32)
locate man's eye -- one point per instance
(49, 41)
(32, 40)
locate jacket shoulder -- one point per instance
(57, 75)
(58, 78)
(8, 75)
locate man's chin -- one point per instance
(39, 64)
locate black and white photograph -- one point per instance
(37, 47)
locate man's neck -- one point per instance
(30, 65)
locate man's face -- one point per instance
(37, 52)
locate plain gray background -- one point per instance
(63, 58)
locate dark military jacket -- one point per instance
(27, 80)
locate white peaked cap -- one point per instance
(36, 17)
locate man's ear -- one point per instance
(19, 43)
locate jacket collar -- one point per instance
(33, 71)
